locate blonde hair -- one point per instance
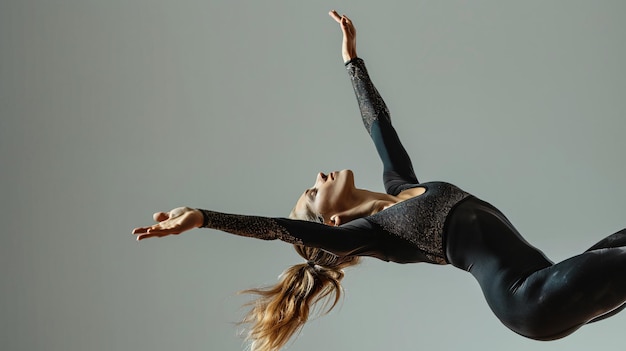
(280, 311)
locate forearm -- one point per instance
(263, 228)
(371, 104)
(398, 168)
(348, 54)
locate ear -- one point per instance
(340, 218)
(336, 220)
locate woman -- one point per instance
(334, 223)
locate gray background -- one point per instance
(111, 110)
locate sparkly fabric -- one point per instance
(420, 220)
(251, 226)
(370, 102)
(407, 232)
(398, 168)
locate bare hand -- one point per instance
(174, 222)
(348, 46)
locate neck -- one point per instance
(367, 203)
(378, 201)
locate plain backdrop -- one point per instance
(112, 110)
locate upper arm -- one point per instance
(358, 237)
(397, 165)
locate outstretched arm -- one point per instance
(398, 169)
(356, 238)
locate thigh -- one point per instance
(556, 300)
(529, 294)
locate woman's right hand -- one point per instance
(348, 47)
(176, 221)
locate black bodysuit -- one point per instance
(445, 225)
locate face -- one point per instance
(331, 193)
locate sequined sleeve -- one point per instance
(397, 166)
(358, 237)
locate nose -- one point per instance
(321, 177)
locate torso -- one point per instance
(419, 217)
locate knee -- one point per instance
(540, 321)
(541, 333)
(534, 320)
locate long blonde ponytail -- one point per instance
(281, 310)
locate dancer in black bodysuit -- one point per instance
(432, 222)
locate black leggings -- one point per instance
(530, 294)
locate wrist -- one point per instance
(348, 57)
(347, 62)
(348, 53)
(199, 218)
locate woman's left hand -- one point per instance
(176, 221)
(348, 47)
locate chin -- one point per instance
(349, 176)
(344, 173)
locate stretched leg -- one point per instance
(615, 240)
(529, 294)
(555, 301)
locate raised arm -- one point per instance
(397, 167)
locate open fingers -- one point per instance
(153, 229)
(156, 230)
(145, 236)
(141, 230)
(150, 235)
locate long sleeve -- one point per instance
(397, 167)
(355, 238)
(359, 237)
